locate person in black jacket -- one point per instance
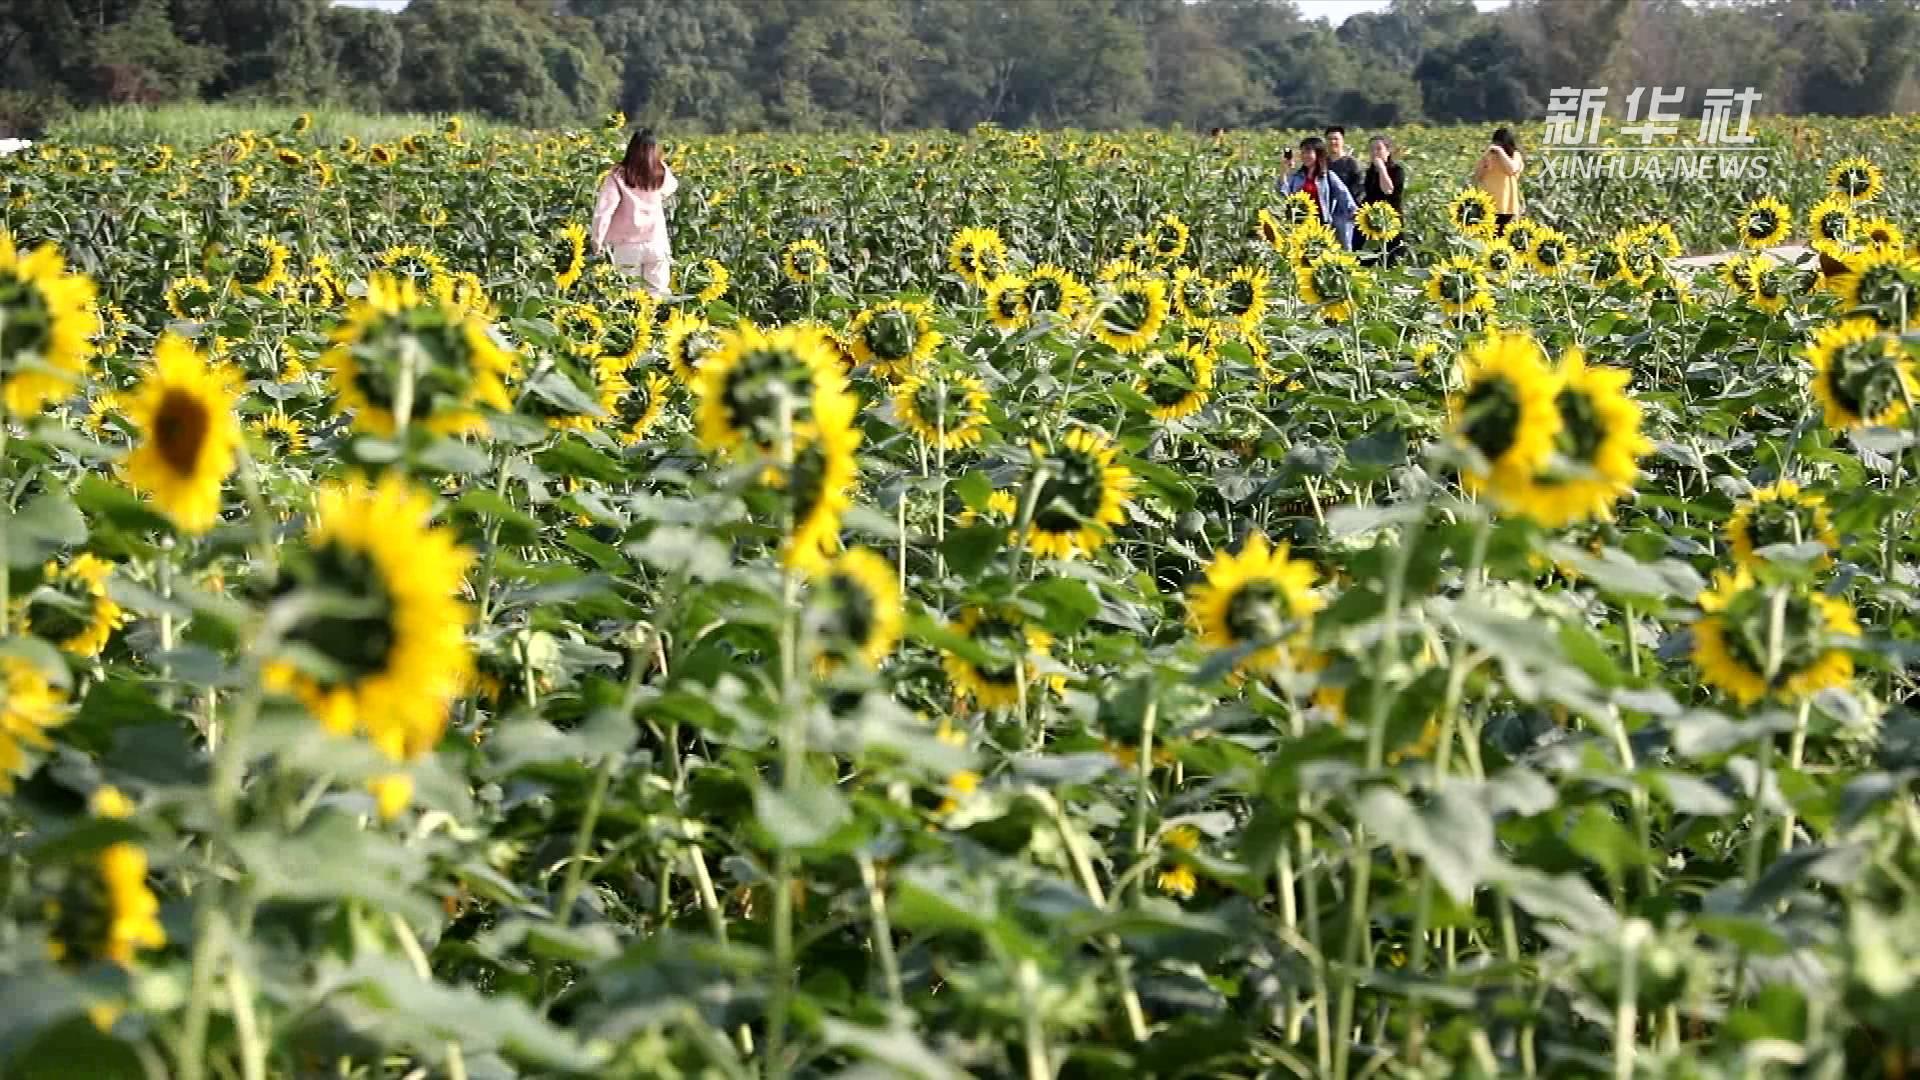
(1339, 162)
(1386, 181)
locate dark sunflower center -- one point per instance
(1128, 312)
(1456, 286)
(25, 326)
(1581, 430)
(1748, 630)
(1779, 522)
(1330, 281)
(635, 404)
(694, 348)
(1007, 304)
(1071, 494)
(757, 385)
(1237, 299)
(1167, 240)
(620, 336)
(1198, 296)
(1044, 294)
(1471, 213)
(180, 427)
(61, 609)
(1863, 379)
(1490, 419)
(892, 334)
(358, 638)
(1855, 182)
(1881, 287)
(1520, 239)
(565, 259)
(1833, 225)
(1257, 613)
(253, 266)
(1550, 252)
(855, 616)
(1761, 223)
(1003, 642)
(1173, 381)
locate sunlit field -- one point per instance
(1027, 604)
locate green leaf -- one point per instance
(801, 814)
(1452, 833)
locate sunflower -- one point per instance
(1748, 628)
(1861, 376)
(1459, 286)
(413, 263)
(1596, 453)
(1831, 224)
(1378, 222)
(1012, 648)
(977, 256)
(818, 486)
(754, 378)
(433, 215)
(107, 914)
(1310, 241)
(318, 288)
(804, 261)
(1855, 179)
(1123, 267)
(1082, 493)
(1610, 267)
(709, 281)
(184, 411)
(29, 705)
(567, 255)
(1257, 600)
(1882, 283)
(381, 346)
(71, 607)
(581, 329)
(1507, 412)
(603, 384)
(1133, 316)
(261, 266)
(1167, 240)
(639, 409)
(687, 340)
(47, 327)
(1176, 382)
(1243, 299)
(627, 331)
(894, 339)
(1764, 222)
(1552, 252)
(1006, 302)
(1737, 271)
(1879, 232)
(856, 597)
(1333, 282)
(1195, 296)
(158, 159)
(392, 650)
(1178, 879)
(1297, 210)
(1779, 514)
(1471, 212)
(1500, 260)
(1772, 284)
(381, 154)
(943, 410)
(1270, 230)
(281, 434)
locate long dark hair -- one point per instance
(1319, 147)
(1503, 138)
(643, 169)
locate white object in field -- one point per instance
(9, 146)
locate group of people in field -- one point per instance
(630, 223)
(1339, 184)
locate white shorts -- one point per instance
(654, 265)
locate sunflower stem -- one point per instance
(1143, 788)
(1796, 754)
(792, 759)
(882, 934)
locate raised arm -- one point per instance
(1511, 165)
(603, 207)
(669, 184)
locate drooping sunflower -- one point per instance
(1856, 179)
(1552, 252)
(627, 330)
(1879, 232)
(1881, 283)
(804, 261)
(1508, 412)
(687, 340)
(1243, 298)
(1133, 316)
(1195, 296)
(1780, 513)
(184, 411)
(47, 326)
(745, 386)
(29, 705)
(433, 215)
(1176, 382)
(1083, 492)
(396, 656)
(192, 298)
(1500, 260)
(1178, 879)
(1006, 302)
(708, 281)
(1125, 266)
(603, 384)
(857, 600)
(895, 338)
(1858, 374)
(1270, 230)
(1011, 647)
(108, 913)
(1051, 289)
(414, 263)
(640, 408)
(1378, 222)
(1735, 643)
(386, 337)
(943, 410)
(1609, 267)
(1831, 225)
(70, 607)
(567, 255)
(977, 256)
(282, 435)
(1167, 240)
(1309, 242)
(1259, 600)
(1764, 222)
(1459, 286)
(581, 329)
(261, 265)
(1737, 271)
(1334, 283)
(818, 487)
(1471, 212)
(1596, 454)
(158, 159)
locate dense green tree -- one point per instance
(1484, 76)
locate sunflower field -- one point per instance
(1025, 605)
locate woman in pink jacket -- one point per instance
(629, 218)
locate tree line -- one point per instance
(815, 65)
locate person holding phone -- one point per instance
(1324, 186)
(1498, 174)
(1386, 181)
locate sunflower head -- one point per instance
(1552, 253)
(1299, 209)
(1459, 286)
(687, 340)
(261, 265)
(1008, 649)
(1861, 375)
(1882, 284)
(1378, 222)
(184, 410)
(804, 261)
(1831, 223)
(1855, 179)
(1167, 240)
(856, 608)
(567, 255)
(70, 607)
(411, 262)
(707, 281)
(760, 388)
(1258, 600)
(1195, 296)
(1333, 282)
(1007, 304)
(1756, 640)
(1780, 513)
(1133, 315)
(1506, 412)
(1176, 382)
(894, 339)
(1471, 212)
(943, 410)
(1596, 451)
(30, 704)
(397, 343)
(977, 256)
(1082, 493)
(1764, 222)
(48, 323)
